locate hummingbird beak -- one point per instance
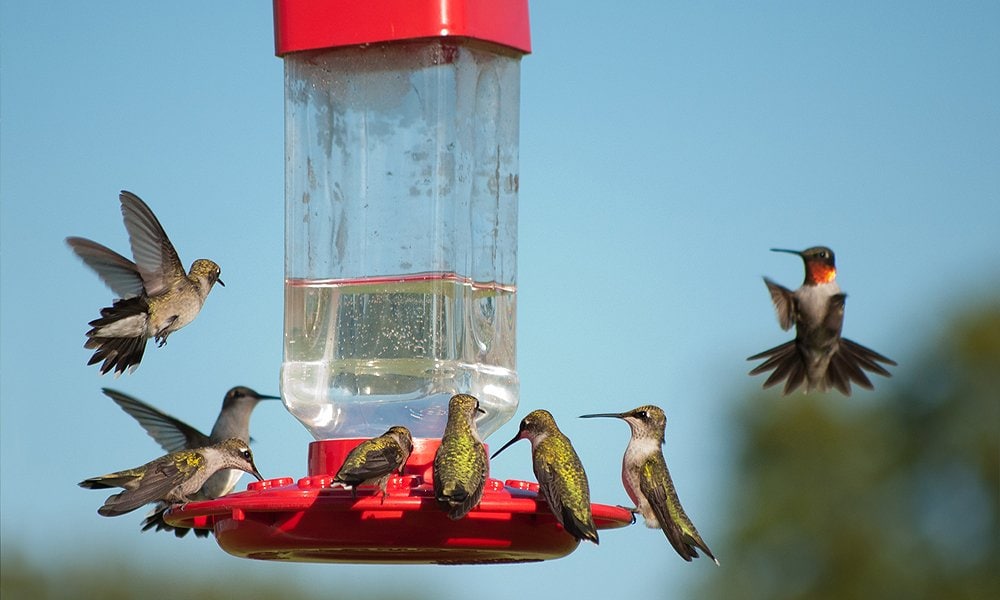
(615, 415)
(504, 447)
(795, 252)
(219, 281)
(256, 473)
(267, 397)
(480, 411)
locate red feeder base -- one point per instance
(310, 521)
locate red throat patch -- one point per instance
(820, 273)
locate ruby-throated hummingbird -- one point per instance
(818, 356)
(173, 478)
(460, 465)
(172, 435)
(648, 483)
(372, 461)
(155, 295)
(560, 474)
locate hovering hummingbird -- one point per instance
(374, 460)
(818, 356)
(155, 295)
(173, 434)
(173, 478)
(460, 465)
(648, 483)
(560, 474)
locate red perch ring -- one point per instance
(310, 521)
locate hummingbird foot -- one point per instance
(634, 510)
(161, 336)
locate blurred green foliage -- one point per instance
(106, 576)
(115, 578)
(893, 495)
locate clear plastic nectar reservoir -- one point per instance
(401, 188)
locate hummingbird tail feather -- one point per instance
(786, 363)
(154, 520)
(867, 357)
(457, 501)
(847, 365)
(581, 529)
(119, 354)
(119, 335)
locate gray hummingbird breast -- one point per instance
(221, 483)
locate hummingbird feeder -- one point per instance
(401, 186)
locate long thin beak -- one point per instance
(219, 281)
(615, 415)
(267, 397)
(795, 252)
(480, 411)
(256, 473)
(504, 447)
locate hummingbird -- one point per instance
(818, 356)
(173, 434)
(560, 474)
(173, 478)
(374, 460)
(648, 483)
(156, 297)
(460, 465)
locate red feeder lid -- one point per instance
(310, 521)
(314, 24)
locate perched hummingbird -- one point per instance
(559, 472)
(818, 356)
(173, 478)
(647, 481)
(374, 460)
(460, 465)
(155, 296)
(173, 435)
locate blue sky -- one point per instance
(664, 149)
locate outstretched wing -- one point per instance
(117, 272)
(784, 303)
(155, 256)
(170, 433)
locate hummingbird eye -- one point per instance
(246, 454)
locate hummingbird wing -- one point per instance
(161, 478)
(370, 460)
(850, 360)
(117, 272)
(170, 433)
(572, 510)
(784, 303)
(155, 256)
(658, 488)
(462, 491)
